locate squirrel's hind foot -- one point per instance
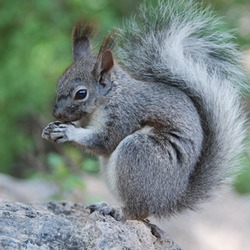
(106, 209)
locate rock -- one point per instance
(64, 225)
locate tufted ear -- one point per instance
(103, 70)
(81, 34)
(104, 65)
(104, 61)
(107, 61)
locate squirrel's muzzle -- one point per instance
(67, 114)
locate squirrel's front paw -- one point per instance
(106, 209)
(57, 132)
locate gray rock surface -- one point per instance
(219, 225)
(63, 225)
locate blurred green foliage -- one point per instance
(60, 174)
(35, 49)
(242, 183)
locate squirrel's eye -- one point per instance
(81, 94)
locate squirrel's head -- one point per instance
(84, 85)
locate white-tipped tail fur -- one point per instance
(183, 44)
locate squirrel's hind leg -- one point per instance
(148, 173)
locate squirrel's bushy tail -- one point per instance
(183, 44)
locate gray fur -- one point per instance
(166, 120)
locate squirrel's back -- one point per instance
(181, 44)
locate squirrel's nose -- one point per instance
(56, 112)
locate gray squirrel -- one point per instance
(164, 117)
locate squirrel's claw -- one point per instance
(106, 209)
(55, 132)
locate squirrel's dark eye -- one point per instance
(81, 94)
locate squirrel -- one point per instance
(159, 105)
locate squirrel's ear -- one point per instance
(80, 39)
(107, 61)
(102, 70)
